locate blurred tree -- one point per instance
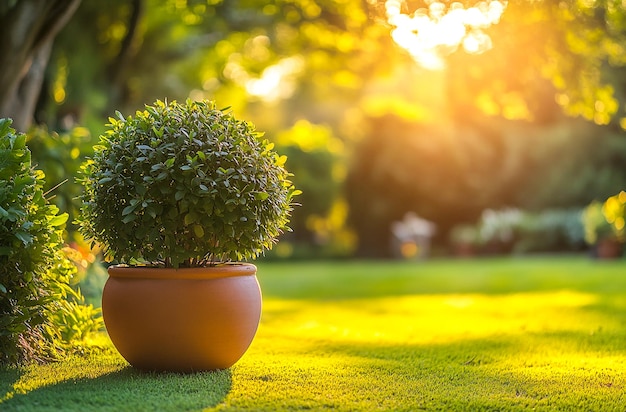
(316, 157)
(569, 164)
(450, 174)
(289, 66)
(576, 47)
(446, 175)
(28, 30)
(505, 141)
(334, 63)
(62, 155)
(125, 53)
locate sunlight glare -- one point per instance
(277, 81)
(434, 319)
(429, 35)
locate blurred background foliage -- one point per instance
(535, 123)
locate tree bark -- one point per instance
(27, 29)
(117, 69)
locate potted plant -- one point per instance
(603, 223)
(175, 195)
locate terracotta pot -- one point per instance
(609, 248)
(182, 320)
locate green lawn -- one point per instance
(497, 334)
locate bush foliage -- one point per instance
(605, 219)
(40, 314)
(184, 185)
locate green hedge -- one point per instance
(41, 316)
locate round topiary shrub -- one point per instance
(182, 185)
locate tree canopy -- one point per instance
(479, 131)
(123, 54)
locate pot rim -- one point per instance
(206, 272)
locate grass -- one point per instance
(497, 334)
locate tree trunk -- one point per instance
(27, 29)
(116, 73)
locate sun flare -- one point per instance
(430, 34)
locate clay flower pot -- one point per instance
(182, 320)
(609, 248)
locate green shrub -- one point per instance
(550, 230)
(605, 219)
(317, 160)
(518, 231)
(36, 299)
(184, 185)
(59, 156)
(75, 320)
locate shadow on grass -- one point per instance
(125, 390)
(8, 376)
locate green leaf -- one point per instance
(130, 208)
(198, 231)
(19, 142)
(129, 218)
(141, 189)
(158, 132)
(5, 126)
(281, 160)
(141, 232)
(189, 219)
(3, 289)
(59, 220)
(151, 212)
(261, 195)
(24, 237)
